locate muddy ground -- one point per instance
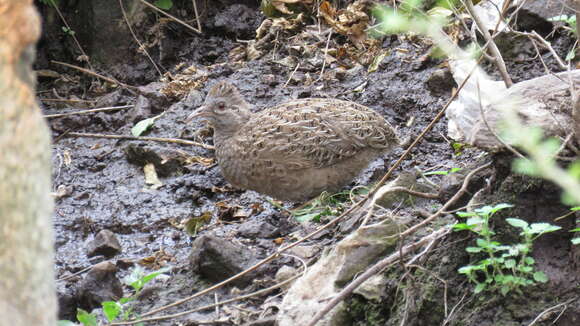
(100, 183)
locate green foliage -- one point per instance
(140, 127)
(506, 267)
(118, 310)
(568, 20)
(326, 205)
(86, 318)
(452, 170)
(164, 4)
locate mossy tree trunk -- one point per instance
(27, 294)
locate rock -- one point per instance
(217, 259)
(310, 293)
(542, 102)
(441, 82)
(284, 273)
(374, 288)
(99, 285)
(105, 243)
(254, 228)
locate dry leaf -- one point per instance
(151, 178)
(195, 223)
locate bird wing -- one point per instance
(317, 133)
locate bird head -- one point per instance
(224, 108)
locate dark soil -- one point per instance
(107, 188)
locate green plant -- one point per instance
(568, 20)
(442, 172)
(164, 4)
(325, 205)
(575, 241)
(506, 267)
(120, 309)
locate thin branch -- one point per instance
(170, 16)
(498, 59)
(113, 108)
(157, 139)
(53, 2)
(92, 73)
(550, 309)
(141, 46)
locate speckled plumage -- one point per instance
(296, 150)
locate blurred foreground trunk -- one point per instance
(27, 295)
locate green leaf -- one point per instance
(529, 260)
(164, 4)
(473, 249)
(504, 290)
(111, 309)
(479, 288)
(510, 263)
(570, 55)
(474, 220)
(461, 227)
(436, 173)
(142, 126)
(560, 18)
(85, 318)
(308, 217)
(525, 166)
(465, 214)
(537, 228)
(499, 207)
(540, 277)
(517, 223)
(575, 241)
(577, 208)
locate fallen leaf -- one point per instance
(279, 241)
(151, 178)
(194, 224)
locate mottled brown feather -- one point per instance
(295, 150)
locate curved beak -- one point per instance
(202, 111)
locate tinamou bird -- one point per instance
(296, 150)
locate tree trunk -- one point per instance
(27, 294)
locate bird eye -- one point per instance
(221, 106)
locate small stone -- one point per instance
(99, 285)
(217, 259)
(284, 273)
(105, 243)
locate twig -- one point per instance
(325, 55)
(291, 74)
(53, 3)
(157, 139)
(64, 278)
(550, 309)
(498, 59)
(141, 46)
(92, 73)
(113, 108)
(196, 15)
(170, 16)
(453, 199)
(535, 36)
(376, 269)
(221, 303)
(65, 100)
